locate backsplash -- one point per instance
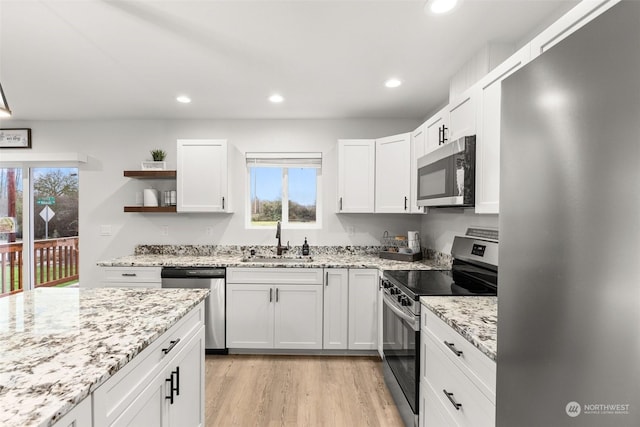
(212, 250)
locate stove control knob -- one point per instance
(394, 291)
(400, 298)
(406, 301)
(386, 284)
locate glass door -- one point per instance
(39, 242)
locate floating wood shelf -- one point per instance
(165, 174)
(158, 209)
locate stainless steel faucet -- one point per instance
(280, 248)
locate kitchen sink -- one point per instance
(274, 260)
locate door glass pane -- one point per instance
(10, 230)
(55, 234)
(302, 195)
(266, 196)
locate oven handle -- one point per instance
(411, 320)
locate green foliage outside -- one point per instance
(270, 211)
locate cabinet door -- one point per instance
(393, 182)
(363, 309)
(202, 175)
(462, 115)
(488, 135)
(298, 316)
(380, 320)
(583, 13)
(187, 369)
(356, 175)
(418, 149)
(250, 315)
(336, 308)
(148, 408)
(433, 129)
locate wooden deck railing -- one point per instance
(55, 261)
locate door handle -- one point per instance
(444, 133)
(223, 203)
(452, 400)
(171, 345)
(405, 203)
(171, 388)
(326, 279)
(129, 274)
(276, 294)
(177, 371)
(340, 203)
(270, 294)
(452, 347)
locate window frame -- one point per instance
(285, 224)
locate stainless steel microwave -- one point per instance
(447, 175)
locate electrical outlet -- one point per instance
(164, 230)
(351, 230)
(105, 230)
(208, 231)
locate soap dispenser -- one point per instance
(305, 247)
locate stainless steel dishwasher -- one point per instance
(204, 278)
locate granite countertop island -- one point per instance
(234, 256)
(57, 345)
(475, 318)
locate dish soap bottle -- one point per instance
(305, 247)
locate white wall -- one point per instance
(114, 146)
(439, 226)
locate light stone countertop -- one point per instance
(475, 318)
(57, 345)
(236, 260)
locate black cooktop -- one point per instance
(459, 281)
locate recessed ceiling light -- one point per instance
(276, 98)
(440, 7)
(183, 99)
(392, 83)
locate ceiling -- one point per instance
(101, 59)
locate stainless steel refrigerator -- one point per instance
(569, 282)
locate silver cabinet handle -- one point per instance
(451, 399)
(276, 294)
(129, 274)
(452, 347)
(270, 294)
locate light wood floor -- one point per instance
(248, 390)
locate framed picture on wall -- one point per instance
(15, 138)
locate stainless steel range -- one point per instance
(474, 273)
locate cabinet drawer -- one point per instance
(132, 285)
(131, 274)
(480, 369)
(443, 376)
(432, 412)
(113, 397)
(298, 276)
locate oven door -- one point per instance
(401, 344)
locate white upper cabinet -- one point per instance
(462, 115)
(393, 177)
(488, 133)
(202, 175)
(356, 175)
(583, 13)
(437, 129)
(418, 149)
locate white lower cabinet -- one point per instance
(363, 309)
(267, 309)
(274, 313)
(78, 416)
(457, 381)
(336, 309)
(162, 386)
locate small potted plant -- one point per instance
(158, 155)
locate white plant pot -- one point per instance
(153, 165)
